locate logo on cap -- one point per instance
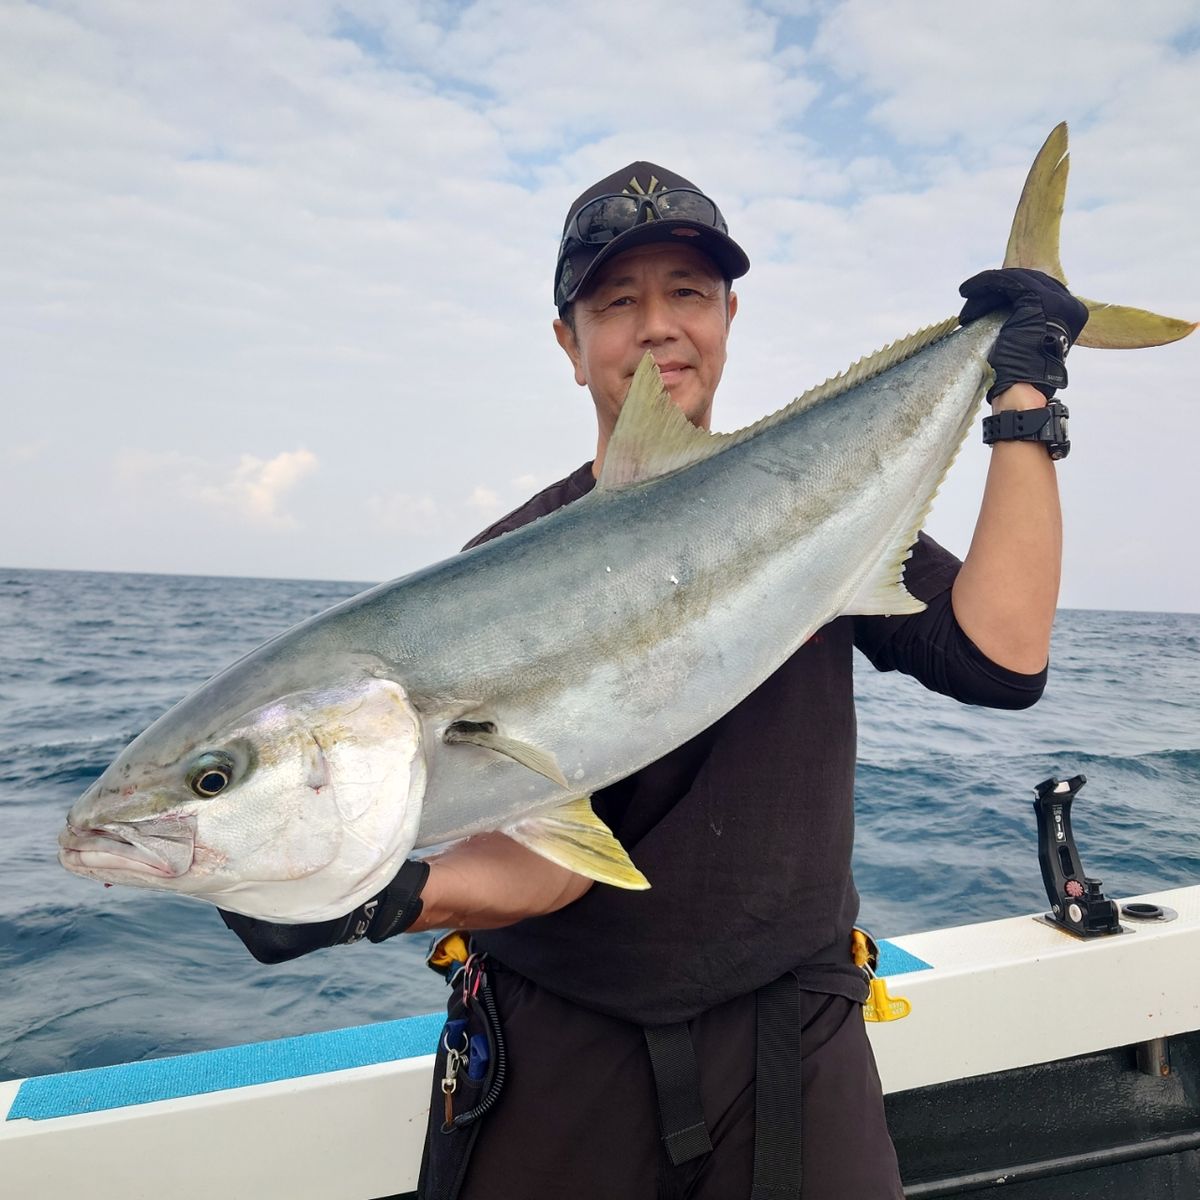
(647, 214)
(641, 191)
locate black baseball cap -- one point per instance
(638, 204)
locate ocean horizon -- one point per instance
(97, 975)
(364, 584)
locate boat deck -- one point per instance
(1017, 1071)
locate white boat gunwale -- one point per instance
(979, 1007)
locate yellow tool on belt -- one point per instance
(880, 1006)
(448, 953)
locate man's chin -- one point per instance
(691, 401)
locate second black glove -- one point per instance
(1033, 343)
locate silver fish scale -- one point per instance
(620, 627)
(616, 629)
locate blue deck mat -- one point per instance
(100, 1088)
(894, 961)
(76, 1092)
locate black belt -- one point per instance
(776, 1091)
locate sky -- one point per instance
(276, 276)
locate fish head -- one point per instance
(293, 808)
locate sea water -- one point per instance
(92, 975)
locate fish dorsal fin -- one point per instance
(574, 837)
(858, 372)
(652, 437)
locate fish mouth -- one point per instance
(162, 847)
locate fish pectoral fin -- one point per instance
(485, 734)
(883, 593)
(574, 837)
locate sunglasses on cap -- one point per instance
(607, 217)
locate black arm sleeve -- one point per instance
(931, 646)
(390, 912)
(271, 943)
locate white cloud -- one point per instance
(485, 502)
(257, 487)
(550, 75)
(398, 512)
(28, 452)
(441, 527)
(332, 225)
(937, 69)
(252, 491)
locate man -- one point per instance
(639, 1026)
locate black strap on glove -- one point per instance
(1033, 343)
(390, 912)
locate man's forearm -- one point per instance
(1006, 593)
(489, 881)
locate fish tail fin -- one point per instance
(1033, 243)
(1033, 239)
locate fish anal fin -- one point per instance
(883, 593)
(486, 735)
(652, 437)
(574, 837)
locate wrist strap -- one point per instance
(1015, 424)
(392, 911)
(1046, 425)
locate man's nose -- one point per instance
(656, 320)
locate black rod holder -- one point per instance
(1077, 903)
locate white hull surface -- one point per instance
(342, 1114)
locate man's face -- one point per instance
(665, 298)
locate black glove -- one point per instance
(1033, 342)
(392, 911)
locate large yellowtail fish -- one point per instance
(498, 689)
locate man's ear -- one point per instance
(570, 345)
(732, 309)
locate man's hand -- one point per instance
(1033, 342)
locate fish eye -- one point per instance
(210, 782)
(211, 776)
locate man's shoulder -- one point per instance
(564, 491)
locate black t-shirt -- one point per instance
(746, 831)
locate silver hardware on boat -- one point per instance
(1154, 1058)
